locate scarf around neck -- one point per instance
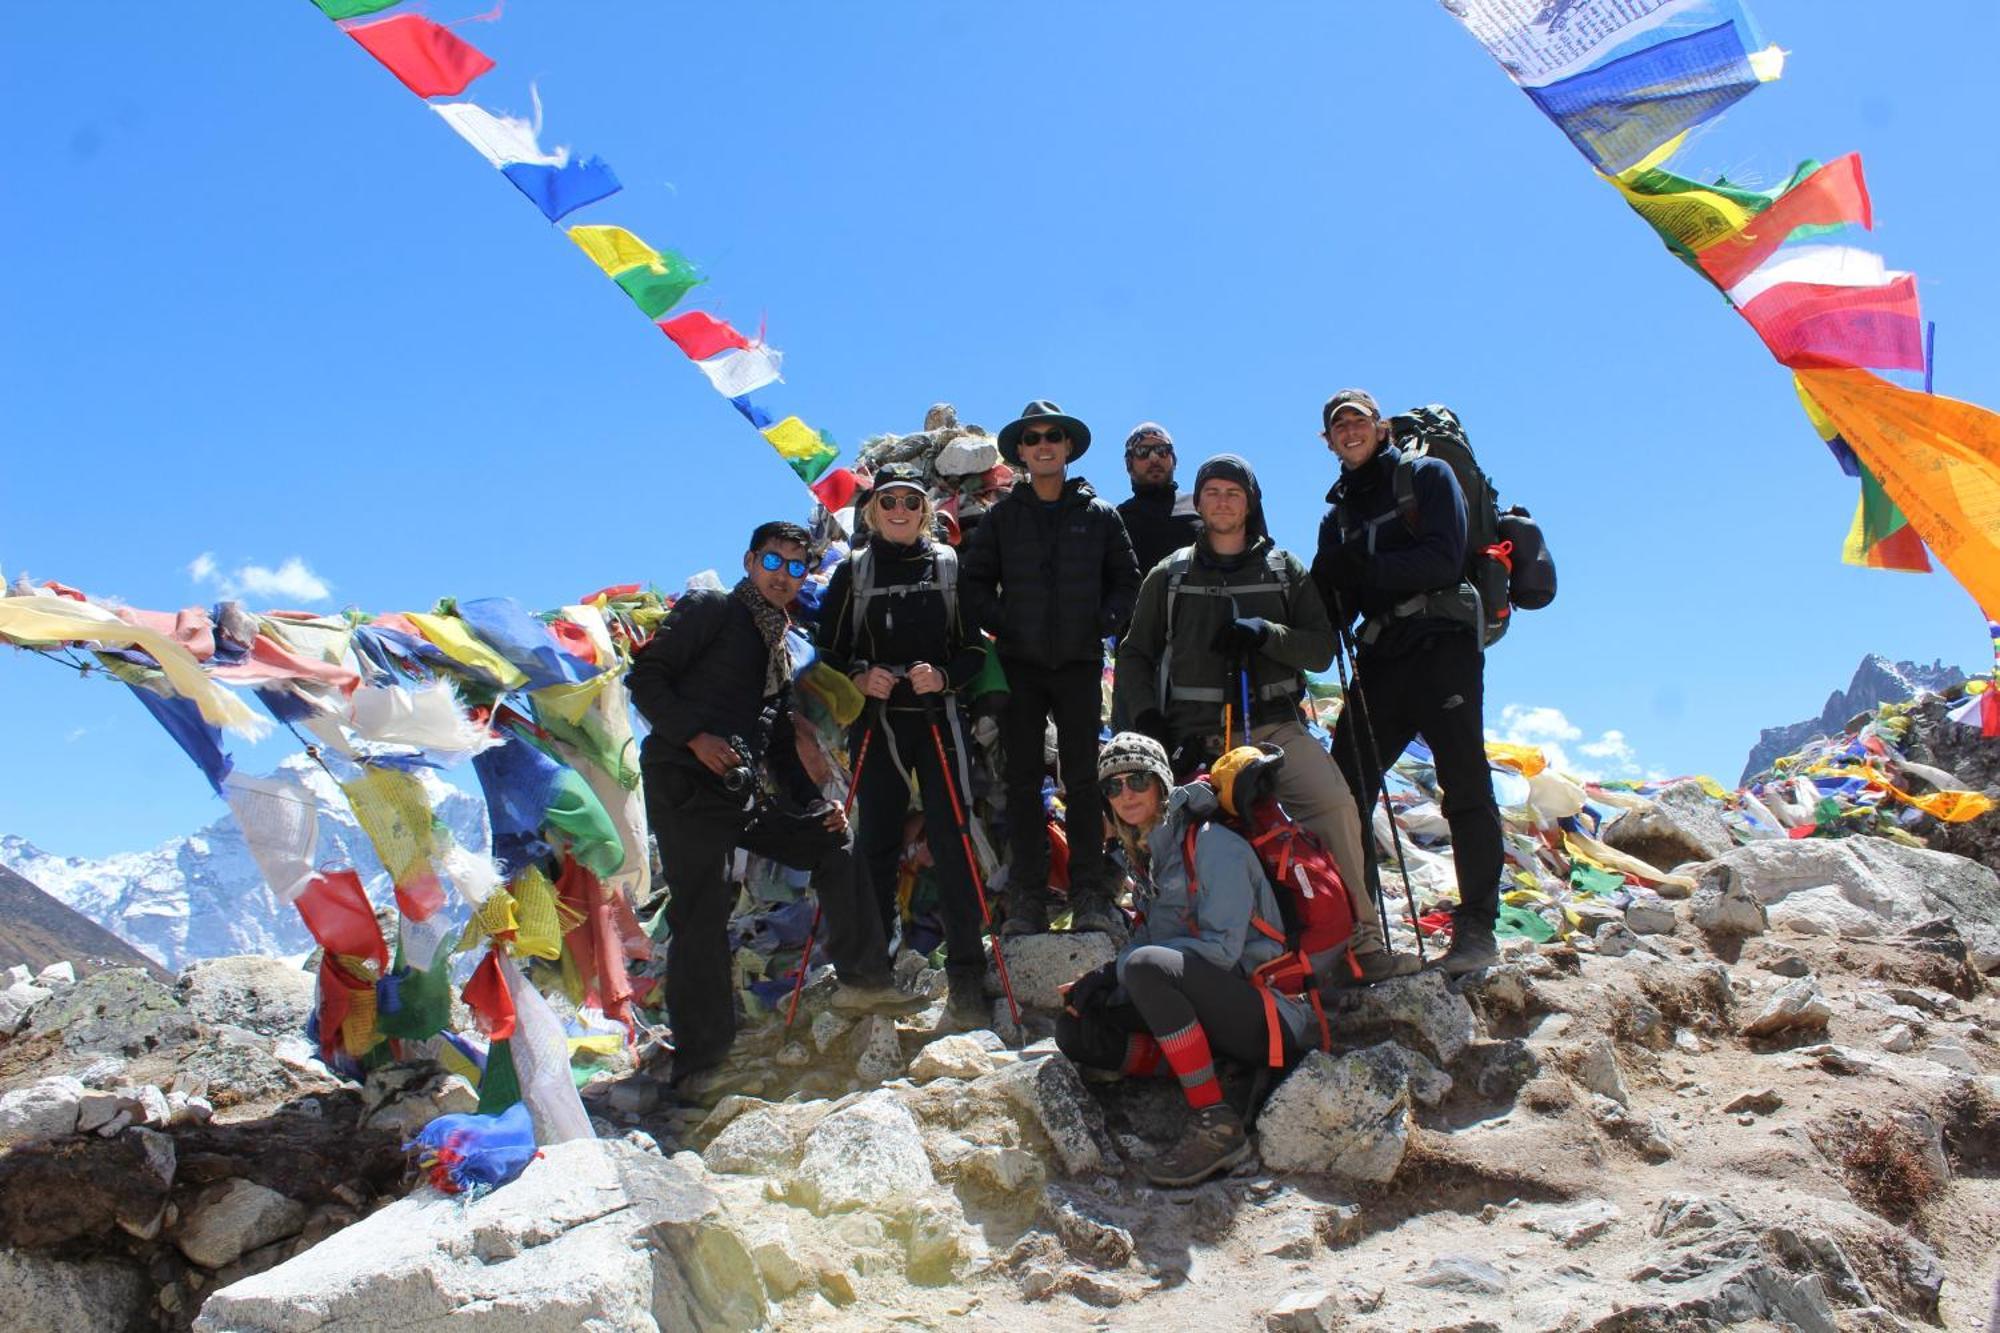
(771, 622)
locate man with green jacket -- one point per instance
(1232, 604)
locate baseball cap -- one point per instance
(1359, 399)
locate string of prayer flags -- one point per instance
(701, 335)
(352, 9)
(742, 370)
(1834, 196)
(486, 994)
(1817, 325)
(1880, 536)
(554, 182)
(429, 59)
(1938, 459)
(655, 279)
(804, 448)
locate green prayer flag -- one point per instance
(499, 1086)
(657, 288)
(352, 9)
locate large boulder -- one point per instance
(1682, 824)
(228, 1220)
(122, 1011)
(43, 1109)
(597, 1235)
(1420, 1011)
(1050, 1091)
(1040, 965)
(868, 1154)
(1866, 887)
(1796, 1007)
(265, 995)
(1342, 1115)
(39, 1292)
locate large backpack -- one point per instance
(1279, 569)
(1316, 922)
(943, 580)
(1506, 561)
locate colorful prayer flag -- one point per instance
(654, 279)
(1827, 431)
(1936, 457)
(1809, 325)
(1835, 195)
(555, 182)
(836, 489)
(1688, 215)
(430, 60)
(701, 335)
(735, 373)
(613, 249)
(1881, 538)
(200, 738)
(752, 412)
(352, 9)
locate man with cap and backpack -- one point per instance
(1395, 551)
(1051, 573)
(1159, 519)
(1222, 635)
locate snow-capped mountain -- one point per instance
(202, 896)
(1876, 681)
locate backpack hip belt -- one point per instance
(1459, 603)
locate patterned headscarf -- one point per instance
(772, 622)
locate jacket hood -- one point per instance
(1236, 468)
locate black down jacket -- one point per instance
(1050, 580)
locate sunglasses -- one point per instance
(1054, 435)
(909, 500)
(1119, 783)
(774, 562)
(1150, 451)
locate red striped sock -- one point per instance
(1187, 1054)
(1142, 1056)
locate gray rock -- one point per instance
(1615, 939)
(263, 995)
(1314, 1310)
(828, 1027)
(756, 1143)
(867, 1154)
(1683, 1214)
(1575, 1227)
(18, 1003)
(1496, 1070)
(98, 1108)
(43, 1293)
(1650, 914)
(44, 1109)
(229, 1219)
(1051, 1092)
(934, 1245)
(1761, 1102)
(1869, 887)
(1346, 1115)
(1723, 906)
(1078, 1221)
(57, 975)
(237, 1066)
(593, 1235)
(960, 1055)
(1040, 965)
(1898, 1039)
(1595, 1067)
(878, 1050)
(1419, 1011)
(1462, 1272)
(1007, 1170)
(121, 1010)
(1797, 1007)
(1682, 824)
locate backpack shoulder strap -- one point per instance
(944, 568)
(1403, 483)
(1177, 571)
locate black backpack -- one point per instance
(1507, 562)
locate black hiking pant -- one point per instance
(1438, 692)
(1073, 695)
(698, 827)
(901, 745)
(1164, 991)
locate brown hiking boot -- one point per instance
(1472, 947)
(1213, 1141)
(1378, 965)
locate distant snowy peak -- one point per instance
(1876, 681)
(202, 896)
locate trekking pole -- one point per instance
(1364, 733)
(812, 931)
(931, 710)
(1243, 681)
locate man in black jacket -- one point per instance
(1051, 573)
(1398, 562)
(1158, 518)
(714, 684)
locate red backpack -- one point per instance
(1317, 920)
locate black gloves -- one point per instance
(1081, 992)
(1347, 567)
(1187, 758)
(1240, 637)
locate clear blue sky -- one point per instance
(260, 302)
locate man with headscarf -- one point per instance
(1220, 640)
(1158, 517)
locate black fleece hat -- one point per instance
(1236, 468)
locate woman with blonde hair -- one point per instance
(891, 622)
(1180, 992)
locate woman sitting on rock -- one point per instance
(891, 622)
(1181, 990)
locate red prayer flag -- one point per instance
(336, 910)
(1833, 195)
(431, 61)
(836, 488)
(422, 896)
(1808, 326)
(486, 994)
(1901, 550)
(701, 335)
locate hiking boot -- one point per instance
(874, 995)
(1472, 947)
(1376, 965)
(1026, 916)
(1214, 1141)
(965, 1001)
(1097, 914)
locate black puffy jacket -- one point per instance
(897, 630)
(1050, 580)
(1159, 520)
(704, 671)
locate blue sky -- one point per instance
(261, 304)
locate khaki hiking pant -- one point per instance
(1317, 796)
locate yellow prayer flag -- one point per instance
(614, 249)
(393, 811)
(1953, 807)
(1936, 457)
(1697, 218)
(794, 439)
(539, 932)
(455, 639)
(1527, 760)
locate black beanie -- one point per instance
(1236, 468)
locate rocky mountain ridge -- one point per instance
(1876, 681)
(41, 931)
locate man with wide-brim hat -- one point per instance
(1051, 573)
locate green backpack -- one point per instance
(1434, 431)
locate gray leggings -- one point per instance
(1168, 990)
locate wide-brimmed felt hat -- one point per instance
(1042, 412)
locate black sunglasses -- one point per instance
(1054, 435)
(1150, 451)
(1136, 783)
(774, 562)
(908, 500)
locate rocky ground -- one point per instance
(1772, 1103)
